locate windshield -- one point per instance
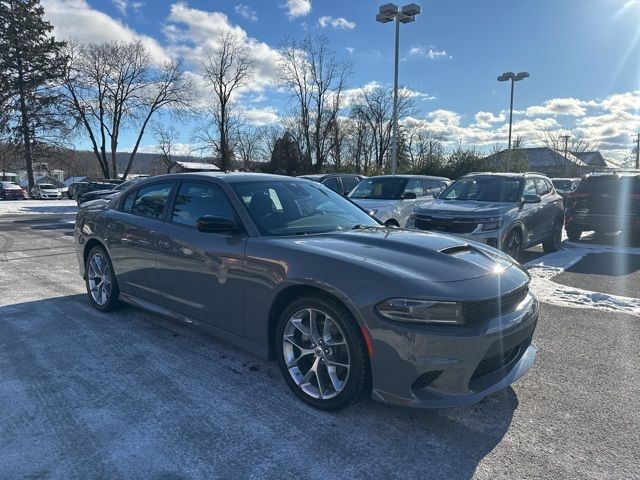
(563, 184)
(47, 186)
(383, 188)
(485, 189)
(298, 208)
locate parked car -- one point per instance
(94, 187)
(392, 198)
(604, 202)
(341, 183)
(96, 194)
(11, 191)
(46, 191)
(76, 187)
(287, 268)
(508, 211)
(564, 186)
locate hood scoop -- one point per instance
(457, 249)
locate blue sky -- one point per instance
(583, 56)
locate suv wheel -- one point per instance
(321, 353)
(573, 233)
(513, 244)
(552, 244)
(100, 280)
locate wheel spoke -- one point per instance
(336, 364)
(320, 384)
(338, 385)
(296, 343)
(313, 324)
(295, 361)
(297, 322)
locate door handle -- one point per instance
(164, 244)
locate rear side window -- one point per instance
(430, 185)
(348, 183)
(333, 184)
(151, 200)
(599, 184)
(542, 186)
(195, 200)
(414, 185)
(530, 187)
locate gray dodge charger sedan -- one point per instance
(288, 269)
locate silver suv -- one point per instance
(509, 211)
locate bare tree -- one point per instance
(165, 137)
(375, 107)
(316, 80)
(577, 142)
(424, 147)
(226, 69)
(248, 146)
(113, 86)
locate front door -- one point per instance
(201, 274)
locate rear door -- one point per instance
(549, 206)
(201, 274)
(532, 215)
(132, 239)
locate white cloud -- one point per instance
(559, 106)
(487, 119)
(431, 53)
(350, 50)
(76, 20)
(297, 8)
(191, 32)
(246, 12)
(261, 116)
(337, 23)
(124, 5)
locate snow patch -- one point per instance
(542, 271)
(38, 207)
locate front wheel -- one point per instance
(513, 245)
(321, 353)
(100, 280)
(552, 244)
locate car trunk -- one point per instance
(606, 195)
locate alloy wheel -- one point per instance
(99, 277)
(513, 245)
(316, 353)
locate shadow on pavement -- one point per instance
(129, 394)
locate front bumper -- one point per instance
(447, 366)
(51, 196)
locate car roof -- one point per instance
(505, 174)
(429, 177)
(221, 176)
(615, 174)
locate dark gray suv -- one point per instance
(509, 211)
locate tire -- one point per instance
(513, 245)
(573, 233)
(342, 344)
(552, 244)
(106, 297)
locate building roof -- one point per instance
(540, 157)
(71, 180)
(594, 159)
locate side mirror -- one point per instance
(213, 224)
(531, 199)
(410, 196)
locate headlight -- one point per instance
(421, 311)
(489, 224)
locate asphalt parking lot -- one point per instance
(131, 395)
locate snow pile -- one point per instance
(30, 207)
(545, 268)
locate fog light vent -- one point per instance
(425, 379)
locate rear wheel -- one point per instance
(100, 280)
(552, 244)
(573, 233)
(321, 353)
(513, 244)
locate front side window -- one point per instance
(298, 208)
(333, 183)
(151, 200)
(530, 187)
(414, 186)
(195, 200)
(542, 186)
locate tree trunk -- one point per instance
(26, 134)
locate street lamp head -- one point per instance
(382, 18)
(521, 76)
(508, 75)
(412, 9)
(502, 78)
(389, 9)
(402, 18)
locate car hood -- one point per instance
(12, 187)
(375, 204)
(97, 193)
(50, 190)
(430, 257)
(464, 208)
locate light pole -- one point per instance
(407, 14)
(514, 77)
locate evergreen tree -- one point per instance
(286, 157)
(31, 63)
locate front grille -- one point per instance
(449, 225)
(486, 309)
(425, 379)
(496, 362)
